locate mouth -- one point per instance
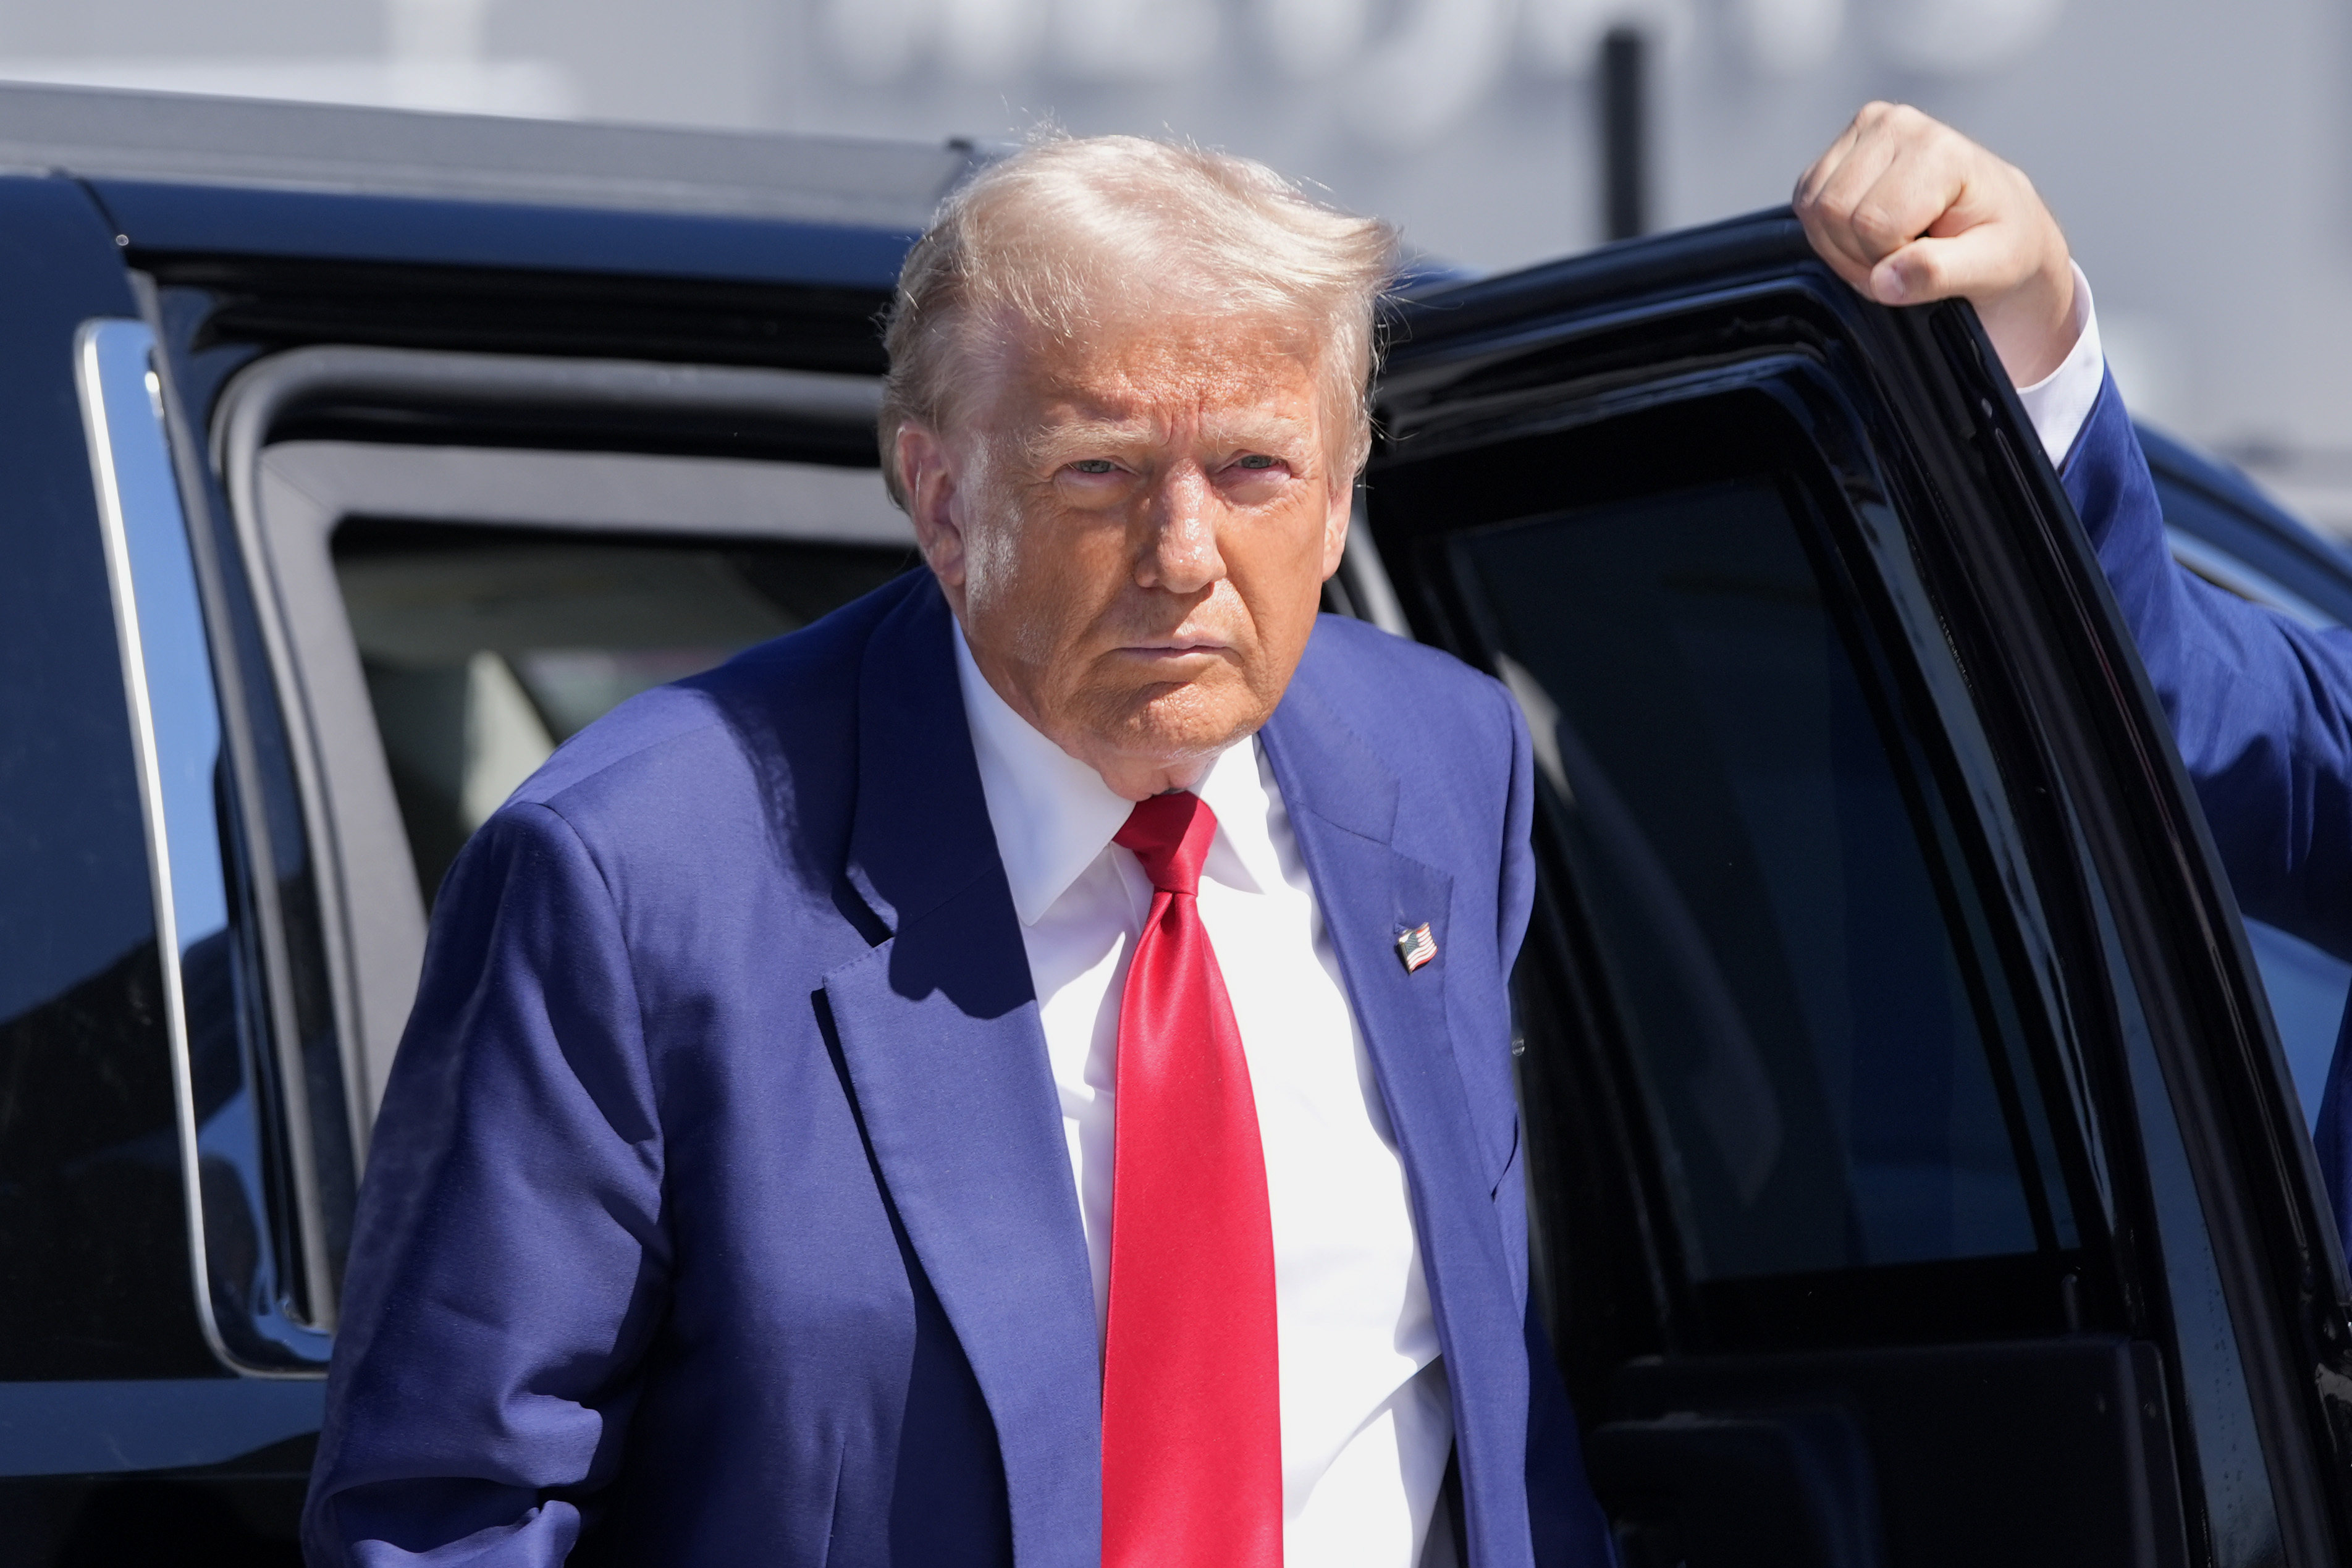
(1174, 651)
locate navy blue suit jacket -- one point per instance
(2262, 707)
(719, 1210)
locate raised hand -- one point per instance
(1907, 210)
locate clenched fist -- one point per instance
(1908, 210)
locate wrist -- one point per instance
(2033, 326)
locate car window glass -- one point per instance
(486, 649)
(2307, 990)
(1827, 1053)
(2241, 1513)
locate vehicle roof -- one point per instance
(182, 139)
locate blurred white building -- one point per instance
(2197, 150)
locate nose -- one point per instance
(1180, 552)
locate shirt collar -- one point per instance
(1054, 816)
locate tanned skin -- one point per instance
(1134, 531)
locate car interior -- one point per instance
(445, 611)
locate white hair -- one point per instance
(1054, 233)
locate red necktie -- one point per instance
(1192, 1411)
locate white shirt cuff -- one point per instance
(2060, 402)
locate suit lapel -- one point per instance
(1343, 803)
(939, 1031)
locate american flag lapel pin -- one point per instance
(1416, 947)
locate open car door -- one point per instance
(1913, 1176)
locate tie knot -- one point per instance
(1170, 835)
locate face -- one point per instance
(1134, 532)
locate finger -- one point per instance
(1922, 189)
(1870, 123)
(1817, 174)
(1806, 197)
(1978, 201)
(1828, 218)
(1980, 259)
(1837, 187)
(1834, 246)
(1845, 214)
(1853, 269)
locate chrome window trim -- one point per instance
(160, 631)
(258, 394)
(1364, 576)
(2226, 572)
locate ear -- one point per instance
(927, 474)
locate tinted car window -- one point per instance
(486, 649)
(1823, 1044)
(2307, 990)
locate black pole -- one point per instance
(1624, 134)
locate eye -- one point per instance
(1259, 460)
(1094, 466)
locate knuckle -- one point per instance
(1876, 226)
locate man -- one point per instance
(1018, 1071)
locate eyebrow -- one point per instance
(1252, 430)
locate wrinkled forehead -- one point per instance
(1149, 362)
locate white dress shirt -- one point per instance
(1367, 1424)
(2060, 402)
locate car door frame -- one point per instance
(2030, 609)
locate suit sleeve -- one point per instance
(2261, 705)
(508, 1251)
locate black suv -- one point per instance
(1917, 1178)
